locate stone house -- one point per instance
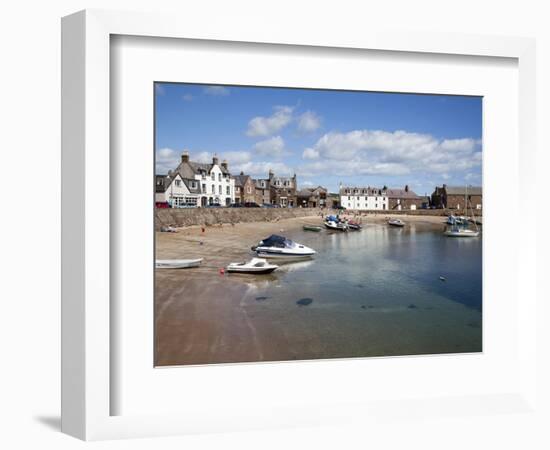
(312, 197)
(456, 197)
(283, 190)
(262, 192)
(216, 185)
(403, 199)
(245, 189)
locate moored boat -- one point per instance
(177, 263)
(254, 266)
(311, 228)
(396, 223)
(354, 226)
(461, 232)
(279, 247)
(333, 225)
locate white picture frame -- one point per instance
(86, 245)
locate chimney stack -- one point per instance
(224, 164)
(406, 188)
(215, 160)
(185, 156)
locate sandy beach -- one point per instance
(205, 316)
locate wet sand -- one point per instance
(204, 316)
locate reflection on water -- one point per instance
(386, 290)
(386, 264)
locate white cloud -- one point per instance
(306, 183)
(219, 91)
(274, 147)
(366, 152)
(308, 122)
(159, 90)
(266, 126)
(260, 169)
(166, 159)
(310, 153)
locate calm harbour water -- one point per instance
(383, 285)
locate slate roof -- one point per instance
(401, 193)
(361, 190)
(162, 182)
(240, 180)
(462, 190)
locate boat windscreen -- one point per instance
(277, 241)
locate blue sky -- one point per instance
(325, 137)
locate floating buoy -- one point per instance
(200, 242)
(222, 271)
(443, 278)
(202, 228)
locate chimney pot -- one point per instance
(215, 160)
(185, 156)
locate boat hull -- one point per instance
(177, 263)
(283, 256)
(311, 228)
(461, 234)
(261, 271)
(335, 227)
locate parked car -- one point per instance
(214, 205)
(251, 205)
(268, 205)
(235, 205)
(162, 205)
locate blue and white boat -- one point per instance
(279, 247)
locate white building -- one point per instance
(214, 183)
(363, 198)
(176, 191)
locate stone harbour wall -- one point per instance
(213, 216)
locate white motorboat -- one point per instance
(279, 247)
(255, 265)
(177, 263)
(333, 225)
(396, 223)
(461, 232)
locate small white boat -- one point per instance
(461, 232)
(396, 223)
(255, 265)
(279, 247)
(177, 263)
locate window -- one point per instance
(213, 189)
(228, 190)
(219, 177)
(178, 183)
(213, 176)
(219, 189)
(204, 188)
(193, 185)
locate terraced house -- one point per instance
(245, 189)
(364, 198)
(402, 199)
(456, 197)
(213, 182)
(176, 191)
(283, 190)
